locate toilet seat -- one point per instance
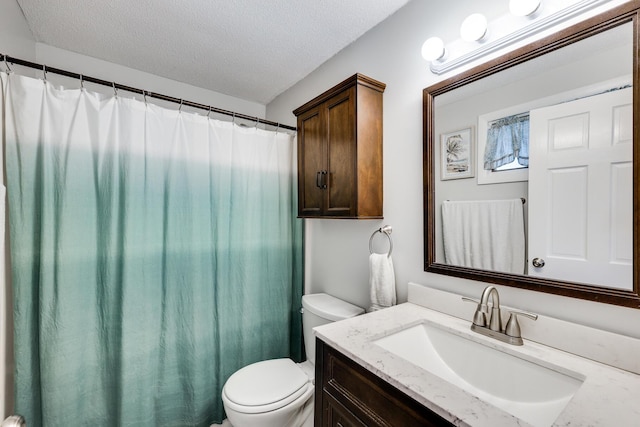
(266, 386)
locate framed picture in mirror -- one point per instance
(457, 154)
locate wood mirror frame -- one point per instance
(628, 12)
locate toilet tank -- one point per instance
(320, 309)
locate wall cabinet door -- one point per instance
(311, 164)
(340, 139)
(340, 151)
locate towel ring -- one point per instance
(386, 230)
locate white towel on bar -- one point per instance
(382, 281)
(486, 234)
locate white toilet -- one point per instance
(279, 392)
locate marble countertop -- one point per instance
(606, 398)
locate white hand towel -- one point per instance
(382, 282)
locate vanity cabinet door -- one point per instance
(340, 151)
(349, 395)
(339, 416)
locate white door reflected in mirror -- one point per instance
(581, 183)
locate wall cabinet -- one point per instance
(348, 395)
(340, 151)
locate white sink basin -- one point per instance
(534, 393)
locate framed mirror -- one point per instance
(561, 116)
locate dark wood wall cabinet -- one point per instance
(340, 151)
(348, 395)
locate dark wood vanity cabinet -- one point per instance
(340, 151)
(348, 395)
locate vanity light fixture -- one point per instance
(526, 18)
(523, 7)
(433, 49)
(474, 27)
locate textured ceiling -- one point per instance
(249, 49)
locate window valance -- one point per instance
(507, 140)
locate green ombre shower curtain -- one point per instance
(153, 253)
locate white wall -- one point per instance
(71, 61)
(337, 250)
(15, 37)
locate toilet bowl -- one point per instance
(279, 392)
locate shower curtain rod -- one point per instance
(83, 78)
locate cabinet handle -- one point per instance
(321, 179)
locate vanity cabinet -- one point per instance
(348, 395)
(340, 151)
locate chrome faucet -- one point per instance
(488, 321)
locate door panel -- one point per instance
(622, 201)
(567, 231)
(569, 133)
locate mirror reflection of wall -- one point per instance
(584, 69)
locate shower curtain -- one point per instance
(154, 252)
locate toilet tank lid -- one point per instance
(329, 307)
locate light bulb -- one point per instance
(523, 7)
(474, 27)
(433, 49)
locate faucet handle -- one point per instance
(513, 327)
(479, 317)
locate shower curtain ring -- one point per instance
(81, 82)
(44, 73)
(209, 113)
(257, 122)
(6, 64)
(180, 107)
(234, 118)
(115, 89)
(144, 96)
